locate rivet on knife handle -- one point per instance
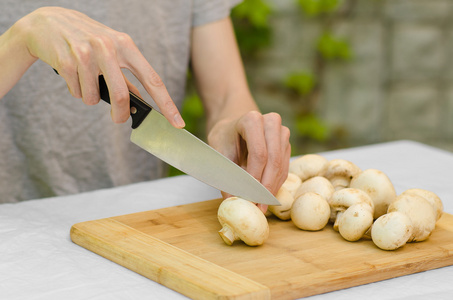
(138, 107)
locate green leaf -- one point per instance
(255, 11)
(312, 127)
(332, 47)
(315, 8)
(301, 82)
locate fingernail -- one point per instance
(179, 121)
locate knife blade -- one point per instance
(152, 132)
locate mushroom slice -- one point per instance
(378, 186)
(419, 211)
(286, 199)
(308, 166)
(292, 183)
(355, 221)
(342, 199)
(310, 212)
(242, 220)
(432, 198)
(340, 172)
(391, 231)
(317, 184)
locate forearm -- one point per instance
(15, 58)
(219, 73)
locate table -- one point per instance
(39, 261)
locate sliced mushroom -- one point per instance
(286, 199)
(391, 231)
(419, 211)
(242, 220)
(317, 184)
(432, 198)
(308, 166)
(310, 212)
(378, 186)
(342, 199)
(355, 221)
(340, 172)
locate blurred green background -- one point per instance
(347, 73)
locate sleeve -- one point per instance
(206, 11)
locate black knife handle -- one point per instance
(139, 109)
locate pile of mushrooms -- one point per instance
(359, 204)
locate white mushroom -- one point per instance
(286, 199)
(355, 221)
(292, 183)
(310, 212)
(342, 199)
(378, 186)
(317, 184)
(340, 172)
(242, 220)
(419, 211)
(308, 165)
(391, 231)
(432, 198)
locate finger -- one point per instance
(274, 166)
(286, 150)
(89, 85)
(118, 92)
(250, 128)
(154, 85)
(68, 70)
(132, 87)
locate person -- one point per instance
(52, 144)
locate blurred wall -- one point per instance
(397, 85)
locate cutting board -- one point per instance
(180, 248)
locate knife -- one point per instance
(184, 151)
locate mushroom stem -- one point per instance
(227, 234)
(337, 220)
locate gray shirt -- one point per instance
(51, 143)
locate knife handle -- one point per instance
(139, 109)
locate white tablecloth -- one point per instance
(39, 261)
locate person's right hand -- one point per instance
(81, 49)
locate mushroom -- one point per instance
(310, 212)
(343, 199)
(355, 221)
(432, 198)
(340, 172)
(317, 184)
(419, 211)
(308, 166)
(286, 199)
(391, 231)
(292, 183)
(378, 186)
(242, 220)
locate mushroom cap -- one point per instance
(419, 211)
(431, 197)
(391, 231)
(378, 186)
(355, 221)
(340, 172)
(286, 200)
(241, 219)
(342, 199)
(308, 165)
(292, 183)
(310, 212)
(317, 184)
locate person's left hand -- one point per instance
(258, 143)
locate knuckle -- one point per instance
(286, 133)
(273, 117)
(155, 80)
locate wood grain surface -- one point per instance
(180, 248)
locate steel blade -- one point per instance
(186, 152)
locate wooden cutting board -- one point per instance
(180, 248)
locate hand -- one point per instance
(81, 49)
(258, 143)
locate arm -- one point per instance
(235, 126)
(81, 49)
